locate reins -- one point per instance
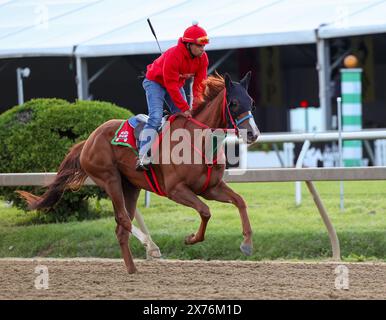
(227, 118)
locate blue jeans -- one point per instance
(156, 95)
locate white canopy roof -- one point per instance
(92, 28)
(368, 21)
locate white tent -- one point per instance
(90, 28)
(94, 28)
(371, 20)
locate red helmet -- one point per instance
(196, 35)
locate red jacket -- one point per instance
(173, 67)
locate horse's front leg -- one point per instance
(183, 195)
(225, 194)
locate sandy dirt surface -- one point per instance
(175, 279)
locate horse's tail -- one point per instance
(69, 176)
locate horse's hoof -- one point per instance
(132, 270)
(153, 254)
(190, 239)
(246, 249)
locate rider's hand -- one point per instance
(188, 113)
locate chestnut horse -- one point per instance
(223, 104)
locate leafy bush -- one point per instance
(36, 136)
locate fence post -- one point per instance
(352, 114)
(299, 164)
(147, 199)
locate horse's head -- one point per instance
(241, 106)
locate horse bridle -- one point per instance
(227, 117)
(230, 119)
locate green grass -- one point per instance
(281, 230)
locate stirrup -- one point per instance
(140, 166)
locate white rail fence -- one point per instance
(307, 138)
(368, 134)
(378, 155)
(242, 176)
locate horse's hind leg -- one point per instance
(183, 195)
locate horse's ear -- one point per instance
(228, 81)
(245, 81)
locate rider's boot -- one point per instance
(144, 159)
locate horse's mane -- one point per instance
(210, 88)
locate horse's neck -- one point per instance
(212, 113)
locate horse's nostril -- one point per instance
(252, 136)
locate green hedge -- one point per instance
(36, 136)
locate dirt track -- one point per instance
(174, 279)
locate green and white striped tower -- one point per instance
(352, 114)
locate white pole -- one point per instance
(299, 164)
(339, 105)
(147, 199)
(82, 80)
(324, 75)
(20, 74)
(20, 97)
